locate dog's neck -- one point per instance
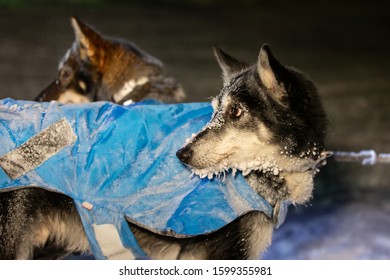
(271, 187)
(281, 190)
(291, 185)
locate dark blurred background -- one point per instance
(342, 45)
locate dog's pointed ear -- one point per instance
(88, 41)
(265, 66)
(271, 72)
(228, 64)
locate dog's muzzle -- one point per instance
(51, 92)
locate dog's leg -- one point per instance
(33, 218)
(14, 220)
(17, 217)
(244, 238)
(62, 231)
(156, 246)
(260, 230)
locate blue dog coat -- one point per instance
(118, 163)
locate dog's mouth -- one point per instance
(212, 160)
(271, 165)
(51, 92)
(225, 167)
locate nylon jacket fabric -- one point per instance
(123, 164)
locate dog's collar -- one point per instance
(127, 88)
(279, 212)
(155, 87)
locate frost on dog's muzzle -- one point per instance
(267, 164)
(38, 149)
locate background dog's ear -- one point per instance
(270, 70)
(228, 64)
(88, 41)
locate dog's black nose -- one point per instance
(184, 154)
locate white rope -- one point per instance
(366, 157)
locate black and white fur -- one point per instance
(268, 123)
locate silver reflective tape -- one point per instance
(110, 243)
(38, 149)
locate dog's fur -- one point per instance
(268, 123)
(98, 68)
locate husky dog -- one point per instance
(268, 123)
(97, 68)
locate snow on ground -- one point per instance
(358, 230)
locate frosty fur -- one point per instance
(297, 173)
